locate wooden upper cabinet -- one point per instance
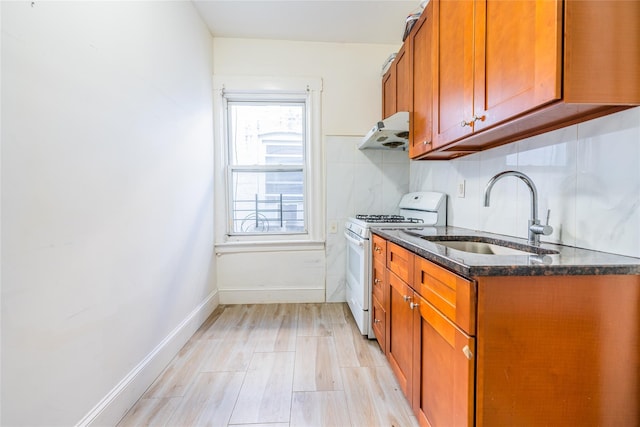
(389, 92)
(454, 70)
(404, 95)
(602, 52)
(517, 59)
(396, 84)
(421, 42)
(508, 70)
(496, 60)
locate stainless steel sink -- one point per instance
(485, 246)
(481, 248)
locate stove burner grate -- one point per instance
(388, 219)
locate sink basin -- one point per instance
(486, 246)
(481, 248)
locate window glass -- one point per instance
(266, 133)
(267, 167)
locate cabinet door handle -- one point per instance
(467, 352)
(377, 249)
(474, 119)
(413, 305)
(376, 320)
(425, 142)
(406, 298)
(376, 281)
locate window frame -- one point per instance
(231, 166)
(268, 89)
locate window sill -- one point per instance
(270, 246)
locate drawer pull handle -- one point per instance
(376, 320)
(467, 352)
(406, 298)
(376, 281)
(413, 305)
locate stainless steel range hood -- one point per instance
(391, 133)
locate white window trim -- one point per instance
(279, 86)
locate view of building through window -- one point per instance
(267, 166)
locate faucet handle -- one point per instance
(548, 214)
(545, 230)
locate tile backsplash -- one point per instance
(369, 181)
(587, 176)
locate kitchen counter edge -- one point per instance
(570, 261)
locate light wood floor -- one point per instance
(276, 365)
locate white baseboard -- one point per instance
(270, 296)
(127, 392)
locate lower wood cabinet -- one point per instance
(510, 351)
(444, 370)
(431, 357)
(400, 339)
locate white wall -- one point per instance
(107, 202)
(351, 104)
(587, 174)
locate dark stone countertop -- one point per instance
(565, 260)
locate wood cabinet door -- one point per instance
(517, 58)
(422, 113)
(378, 322)
(444, 370)
(404, 95)
(400, 337)
(389, 92)
(454, 70)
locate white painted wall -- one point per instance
(107, 202)
(586, 174)
(351, 104)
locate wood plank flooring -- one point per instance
(275, 365)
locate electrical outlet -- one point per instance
(461, 185)
(333, 227)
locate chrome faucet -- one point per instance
(535, 228)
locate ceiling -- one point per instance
(337, 21)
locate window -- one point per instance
(267, 152)
(266, 141)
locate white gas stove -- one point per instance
(417, 209)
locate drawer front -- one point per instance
(378, 285)
(400, 261)
(379, 248)
(451, 294)
(378, 322)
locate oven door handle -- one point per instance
(357, 242)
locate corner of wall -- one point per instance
(111, 409)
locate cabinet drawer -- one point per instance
(451, 294)
(378, 322)
(378, 284)
(400, 261)
(379, 248)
